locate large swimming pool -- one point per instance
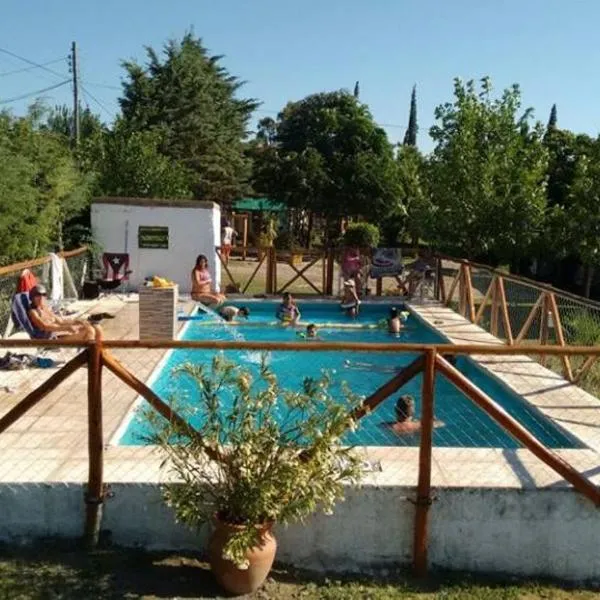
(465, 425)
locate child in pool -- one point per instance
(287, 311)
(350, 301)
(310, 333)
(394, 321)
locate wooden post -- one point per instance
(324, 272)
(437, 290)
(505, 315)
(486, 299)
(379, 286)
(245, 238)
(544, 328)
(469, 294)
(560, 338)
(330, 271)
(423, 501)
(453, 285)
(530, 317)
(494, 313)
(585, 367)
(462, 296)
(518, 432)
(94, 496)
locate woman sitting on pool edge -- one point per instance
(287, 312)
(405, 422)
(201, 283)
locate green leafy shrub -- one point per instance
(261, 453)
(361, 235)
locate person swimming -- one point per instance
(230, 313)
(350, 301)
(310, 333)
(405, 422)
(287, 312)
(394, 321)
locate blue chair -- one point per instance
(20, 317)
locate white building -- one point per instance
(162, 237)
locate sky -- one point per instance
(286, 50)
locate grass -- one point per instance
(58, 570)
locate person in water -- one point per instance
(202, 290)
(394, 321)
(350, 301)
(405, 422)
(232, 313)
(287, 312)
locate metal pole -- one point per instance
(74, 68)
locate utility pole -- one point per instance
(74, 70)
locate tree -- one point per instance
(410, 137)
(552, 120)
(131, 164)
(488, 173)
(60, 120)
(191, 101)
(329, 158)
(41, 187)
(356, 90)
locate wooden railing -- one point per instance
(431, 360)
(36, 262)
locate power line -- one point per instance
(50, 62)
(276, 112)
(102, 85)
(31, 62)
(36, 93)
(87, 92)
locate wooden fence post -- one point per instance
(423, 501)
(94, 496)
(330, 271)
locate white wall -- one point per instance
(549, 532)
(192, 231)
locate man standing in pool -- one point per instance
(405, 423)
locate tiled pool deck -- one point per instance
(49, 444)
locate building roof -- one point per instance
(258, 204)
(171, 202)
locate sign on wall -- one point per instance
(153, 237)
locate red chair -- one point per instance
(116, 270)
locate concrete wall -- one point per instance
(193, 230)
(550, 532)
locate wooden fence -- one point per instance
(98, 355)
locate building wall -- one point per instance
(531, 533)
(192, 231)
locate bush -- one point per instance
(361, 235)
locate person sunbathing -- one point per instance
(47, 325)
(201, 283)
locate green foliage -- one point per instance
(552, 120)
(328, 156)
(583, 328)
(286, 240)
(41, 187)
(487, 175)
(361, 235)
(279, 455)
(190, 102)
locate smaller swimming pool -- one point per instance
(465, 425)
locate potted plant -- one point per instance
(258, 455)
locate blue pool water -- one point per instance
(465, 425)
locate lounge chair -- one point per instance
(20, 317)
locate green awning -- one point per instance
(257, 205)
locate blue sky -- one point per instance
(286, 50)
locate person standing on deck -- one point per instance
(228, 236)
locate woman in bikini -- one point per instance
(202, 283)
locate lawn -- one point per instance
(59, 570)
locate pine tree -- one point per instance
(356, 90)
(410, 137)
(552, 120)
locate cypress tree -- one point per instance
(356, 90)
(552, 120)
(410, 137)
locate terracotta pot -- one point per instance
(261, 557)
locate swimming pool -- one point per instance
(465, 425)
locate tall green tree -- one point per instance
(192, 102)
(488, 175)
(60, 120)
(329, 158)
(356, 90)
(410, 137)
(553, 119)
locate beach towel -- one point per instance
(27, 281)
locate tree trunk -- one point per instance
(309, 230)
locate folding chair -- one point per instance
(116, 271)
